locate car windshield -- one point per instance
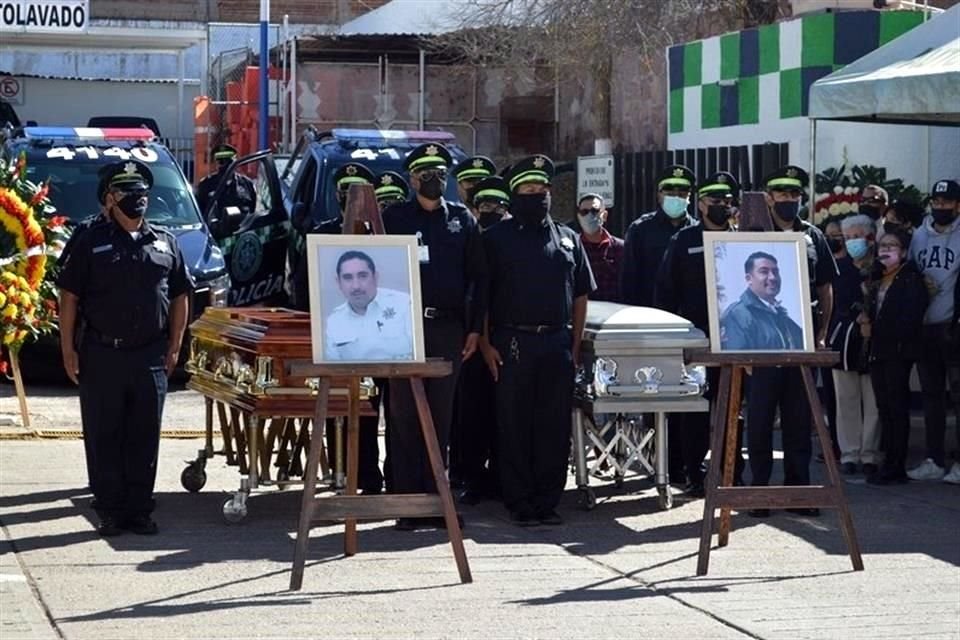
(74, 180)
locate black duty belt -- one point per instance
(433, 313)
(122, 344)
(536, 328)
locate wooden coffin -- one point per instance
(239, 356)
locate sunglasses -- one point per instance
(136, 193)
(429, 174)
(874, 200)
(587, 212)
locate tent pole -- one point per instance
(813, 169)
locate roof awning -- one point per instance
(147, 35)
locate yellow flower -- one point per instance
(20, 335)
(25, 298)
(8, 337)
(23, 284)
(3, 300)
(8, 277)
(9, 312)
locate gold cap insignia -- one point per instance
(432, 150)
(478, 164)
(791, 173)
(678, 173)
(386, 180)
(351, 170)
(722, 179)
(130, 169)
(539, 161)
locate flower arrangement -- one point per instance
(838, 190)
(31, 238)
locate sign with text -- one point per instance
(11, 89)
(44, 16)
(595, 175)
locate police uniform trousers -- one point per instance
(476, 424)
(369, 477)
(534, 403)
(770, 388)
(122, 392)
(409, 465)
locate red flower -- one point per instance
(40, 195)
(4, 367)
(57, 221)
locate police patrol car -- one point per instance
(71, 157)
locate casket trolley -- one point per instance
(633, 363)
(238, 361)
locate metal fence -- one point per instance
(637, 173)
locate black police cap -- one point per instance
(676, 176)
(352, 173)
(537, 169)
(721, 184)
(390, 185)
(474, 168)
(788, 178)
(492, 189)
(431, 155)
(126, 174)
(224, 152)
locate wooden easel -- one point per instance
(351, 507)
(721, 494)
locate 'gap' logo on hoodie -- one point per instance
(936, 257)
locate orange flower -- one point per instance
(40, 195)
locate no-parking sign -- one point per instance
(11, 89)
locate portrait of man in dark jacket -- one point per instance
(757, 321)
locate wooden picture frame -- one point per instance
(767, 310)
(340, 333)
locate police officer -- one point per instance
(476, 407)
(240, 191)
(644, 245)
(539, 282)
(126, 282)
(771, 388)
(647, 237)
(468, 173)
(681, 288)
(369, 477)
(391, 189)
(452, 277)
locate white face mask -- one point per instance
(674, 206)
(590, 223)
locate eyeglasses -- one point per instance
(429, 174)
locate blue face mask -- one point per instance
(857, 247)
(674, 206)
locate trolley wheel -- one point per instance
(233, 511)
(587, 499)
(664, 497)
(193, 478)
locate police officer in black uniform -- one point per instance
(452, 278)
(539, 282)
(126, 282)
(240, 191)
(782, 387)
(391, 189)
(369, 476)
(681, 288)
(468, 173)
(644, 245)
(476, 407)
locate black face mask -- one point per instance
(942, 217)
(431, 189)
(132, 206)
(718, 214)
(489, 218)
(835, 244)
(530, 208)
(787, 211)
(870, 210)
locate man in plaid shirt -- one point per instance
(604, 250)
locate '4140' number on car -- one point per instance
(143, 154)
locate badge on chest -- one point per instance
(423, 251)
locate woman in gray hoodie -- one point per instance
(935, 249)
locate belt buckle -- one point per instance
(430, 313)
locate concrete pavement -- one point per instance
(625, 569)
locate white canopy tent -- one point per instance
(914, 79)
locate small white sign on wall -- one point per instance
(595, 175)
(44, 16)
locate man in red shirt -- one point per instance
(604, 250)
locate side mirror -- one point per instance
(31, 123)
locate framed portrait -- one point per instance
(758, 292)
(365, 303)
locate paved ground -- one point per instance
(625, 569)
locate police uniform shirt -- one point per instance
(453, 278)
(644, 245)
(125, 283)
(239, 192)
(821, 265)
(77, 231)
(383, 332)
(536, 272)
(681, 285)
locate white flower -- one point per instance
(834, 209)
(854, 207)
(838, 189)
(848, 191)
(844, 207)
